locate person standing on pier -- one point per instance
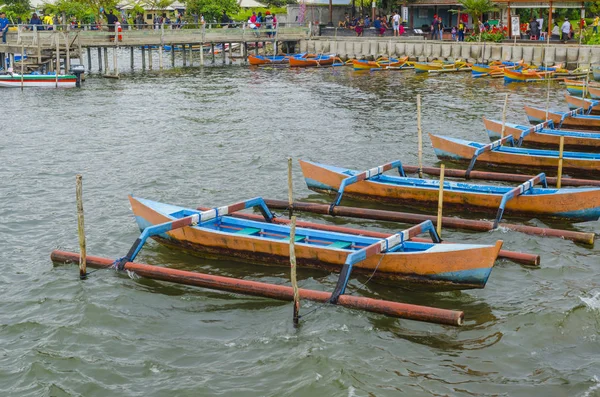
(566, 30)
(111, 19)
(396, 23)
(4, 22)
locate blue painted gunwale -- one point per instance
(523, 151)
(494, 136)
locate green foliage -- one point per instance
(475, 8)
(486, 36)
(77, 8)
(212, 9)
(246, 13)
(16, 9)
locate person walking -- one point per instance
(440, 28)
(4, 22)
(461, 31)
(396, 23)
(566, 30)
(595, 24)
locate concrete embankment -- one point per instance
(571, 55)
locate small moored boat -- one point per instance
(497, 154)
(314, 60)
(267, 59)
(574, 119)
(439, 66)
(38, 80)
(575, 102)
(213, 233)
(575, 204)
(381, 63)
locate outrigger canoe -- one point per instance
(438, 66)
(575, 204)
(543, 135)
(314, 60)
(267, 59)
(575, 102)
(574, 119)
(576, 87)
(497, 154)
(494, 68)
(38, 80)
(381, 63)
(527, 76)
(212, 233)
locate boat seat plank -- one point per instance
(248, 231)
(340, 244)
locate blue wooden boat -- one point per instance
(213, 233)
(578, 119)
(596, 72)
(542, 135)
(577, 204)
(496, 153)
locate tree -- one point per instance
(212, 9)
(476, 8)
(16, 9)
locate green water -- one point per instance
(215, 136)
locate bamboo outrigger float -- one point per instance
(542, 135)
(577, 204)
(447, 266)
(280, 292)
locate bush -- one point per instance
(486, 36)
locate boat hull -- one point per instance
(514, 76)
(463, 151)
(578, 122)
(43, 81)
(576, 204)
(581, 140)
(450, 268)
(575, 102)
(266, 60)
(296, 62)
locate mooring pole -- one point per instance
(106, 59)
(230, 54)
(440, 202)
(224, 52)
(172, 55)
(22, 63)
(89, 56)
(184, 55)
(202, 54)
(131, 56)
(504, 115)
(67, 53)
(150, 58)
(560, 161)
(57, 57)
(292, 243)
(99, 59)
(143, 57)
(80, 226)
(212, 50)
(420, 133)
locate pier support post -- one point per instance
(143, 57)
(89, 56)
(149, 58)
(202, 54)
(212, 50)
(172, 55)
(183, 54)
(131, 56)
(224, 53)
(67, 53)
(160, 56)
(191, 54)
(230, 54)
(80, 227)
(245, 53)
(99, 59)
(256, 47)
(105, 59)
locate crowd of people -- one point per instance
(380, 24)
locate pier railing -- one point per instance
(91, 36)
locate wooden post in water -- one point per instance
(57, 57)
(160, 57)
(224, 53)
(212, 50)
(202, 54)
(131, 56)
(184, 55)
(67, 53)
(420, 134)
(560, 160)
(172, 55)
(292, 244)
(106, 59)
(22, 63)
(89, 56)
(143, 57)
(149, 57)
(504, 115)
(115, 61)
(230, 54)
(440, 201)
(80, 226)
(191, 54)
(256, 48)
(99, 59)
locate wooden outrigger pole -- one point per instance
(280, 292)
(498, 176)
(451, 222)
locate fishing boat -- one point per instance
(267, 59)
(213, 233)
(381, 63)
(575, 102)
(542, 135)
(493, 69)
(574, 119)
(576, 87)
(314, 60)
(596, 72)
(575, 204)
(13, 80)
(527, 75)
(498, 155)
(439, 66)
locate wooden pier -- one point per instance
(45, 48)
